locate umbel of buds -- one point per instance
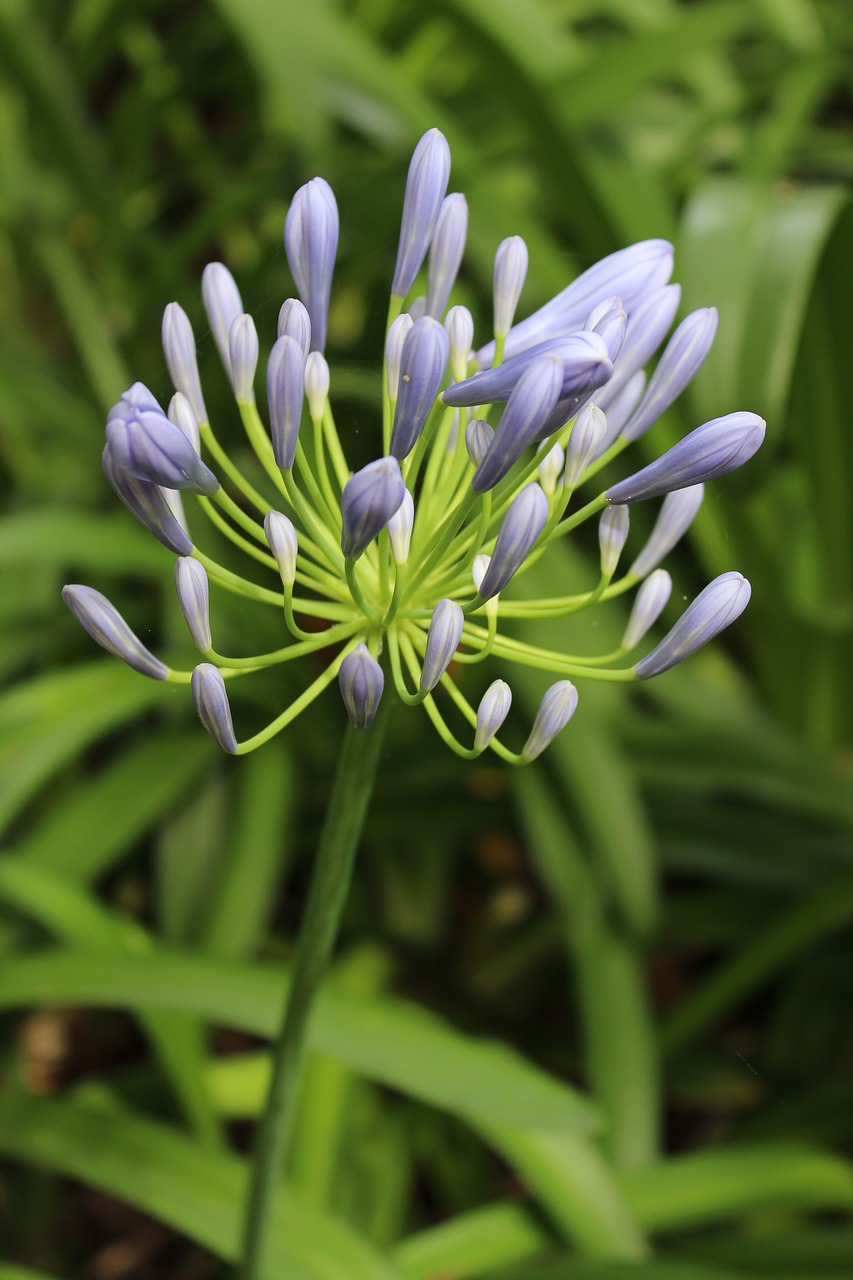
(402, 571)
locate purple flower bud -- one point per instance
(530, 403)
(150, 447)
(361, 681)
(368, 502)
(509, 276)
(426, 184)
(675, 517)
(680, 362)
(629, 273)
(478, 439)
(311, 242)
(394, 343)
(714, 609)
(556, 709)
(181, 413)
(317, 382)
(179, 350)
(243, 349)
(584, 443)
(459, 324)
(522, 525)
(612, 536)
(285, 393)
(445, 253)
(649, 603)
(422, 367)
(445, 632)
(136, 397)
(211, 703)
(714, 449)
(601, 309)
(648, 325)
(222, 306)
(400, 529)
(586, 365)
(108, 628)
(417, 308)
(148, 503)
(611, 328)
(283, 543)
(619, 410)
(193, 591)
(551, 467)
(491, 713)
(295, 322)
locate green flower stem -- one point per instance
(345, 816)
(321, 640)
(357, 594)
(333, 444)
(227, 467)
(220, 523)
(409, 699)
(297, 707)
(233, 581)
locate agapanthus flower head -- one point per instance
(403, 571)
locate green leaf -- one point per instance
(472, 1243)
(54, 538)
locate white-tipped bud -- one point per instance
(394, 352)
(445, 253)
(649, 603)
(509, 277)
(491, 713)
(612, 536)
(283, 543)
(550, 468)
(211, 703)
(479, 568)
(555, 711)
(243, 354)
(400, 529)
(295, 322)
(181, 414)
(181, 361)
(459, 324)
(222, 305)
(193, 590)
(316, 384)
(590, 427)
(445, 632)
(601, 309)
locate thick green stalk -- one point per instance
(326, 898)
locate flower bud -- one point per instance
(136, 397)
(426, 184)
(521, 526)
(397, 334)
(602, 309)
(556, 709)
(679, 364)
(422, 367)
(491, 713)
(586, 365)
(243, 349)
(361, 681)
(285, 393)
(211, 703)
(445, 632)
(611, 328)
(649, 603)
(400, 529)
(714, 449)
(283, 543)
(551, 467)
(317, 382)
(445, 253)
(648, 325)
(150, 447)
(295, 322)
(618, 410)
(179, 350)
(674, 519)
(311, 242)
(531, 401)
(612, 536)
(416, 309)
(149, 504)
(108, 628)
(222, 306)
(369, 500)
(181, 413)
(193, 591)
(509, 276)
(478, 439)
(459, 324)
(714, 609)
(583, 444)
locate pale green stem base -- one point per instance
(326, 898)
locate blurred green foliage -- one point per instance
(684, 856)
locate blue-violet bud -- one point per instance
(612, 536)
(222, 306)
(211, 703)
(108, 628)
(285, 393)
(532, 400)
(649, 603)
(283, 542)
(714, 449)
(556, 709)
(368, 502)
(445, 252)
(317, 382)
(243, 348)
(397, 334)
(678, 365)
(618, 410)
(445, 632)
(459, 324)
(648, 325)
(149, 504)
(179, 350)
(429, 172)
(152, 448)
(521, 526)
(311, 242)
(674, 519)
(295, 322)
(508, 281)
(588, 430)
(586, 365)
(400, 529)
(714, 609)
(193, 590)
(422, 367)
(491, 713)
(361, 681)
(478, 439)
(136, 397)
